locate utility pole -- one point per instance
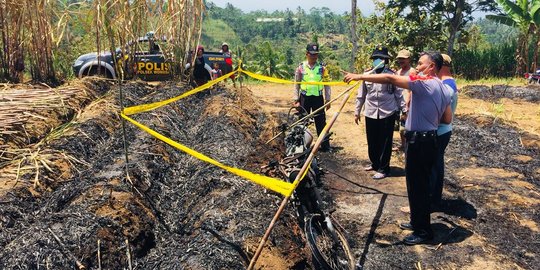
(354, 39)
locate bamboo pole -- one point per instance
(99, 253)
(298, 178)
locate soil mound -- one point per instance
(173, 212)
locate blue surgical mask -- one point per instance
(378, 63)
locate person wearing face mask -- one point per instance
(381, 103)
(429, 106)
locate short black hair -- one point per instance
(434, 57)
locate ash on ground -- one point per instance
(172, 212)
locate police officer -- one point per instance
(309, 96)
(429, 106)
(381, 103)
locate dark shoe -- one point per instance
(417, 238)
(406, 226)
(324, 149)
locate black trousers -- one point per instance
(436, 181)
(380, 133)
(420, 159)
(311, 103)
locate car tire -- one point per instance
(99, 72)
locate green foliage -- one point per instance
(67, 52)
(286, 32)
(524, 15)
(447, 19)
(267, 61)
(215, 32)
(492, 32)
(496, 61)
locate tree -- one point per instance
(397, 32)
(525, 15)
(456, 13)
(269, 62)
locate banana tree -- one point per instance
(268, 61)
(524, 15)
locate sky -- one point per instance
(337, 6)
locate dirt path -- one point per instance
(369, 209)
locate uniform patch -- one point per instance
(420, 78)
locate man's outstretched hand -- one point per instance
(348, 77)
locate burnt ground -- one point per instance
(493, 92)
(173, 212)
(176, 212)
(491, 189)
(490, 219)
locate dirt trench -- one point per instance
(173, 212)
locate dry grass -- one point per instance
(27, 112)
(122, 21)
(31, 162)
(32, 117)
(31, 30)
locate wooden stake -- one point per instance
(128, 253)
(99, 254)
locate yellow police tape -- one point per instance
(152, 106)
(276, 80)
(274, 184)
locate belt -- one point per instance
(304, 93)
(413, 136)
